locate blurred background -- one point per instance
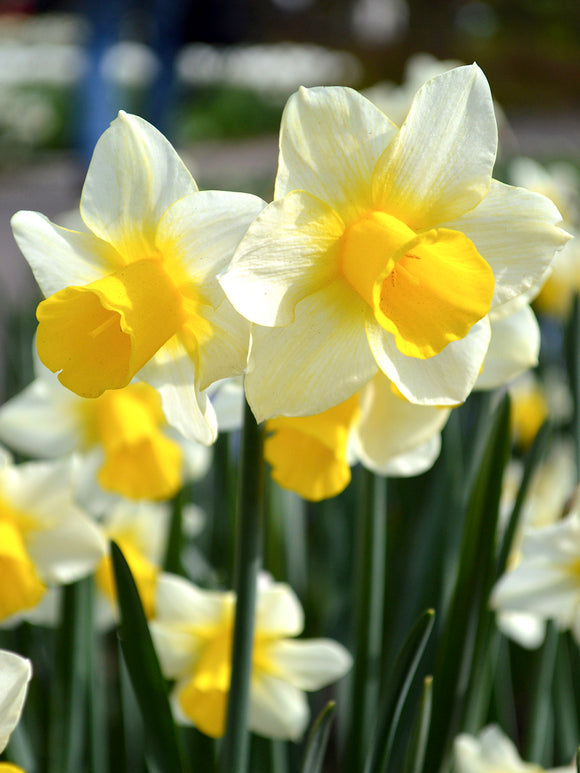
(214, 77)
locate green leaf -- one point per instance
(397, 689)
(318, 740)
(467, 619)
(418, 743)
(145, 672)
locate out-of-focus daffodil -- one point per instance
(546, 582)
(312, 455)
(384, 249)
(529, 409)
(15, 674)
(122, 437)
(141, 530)
(193, 632)
(136, 294)
(560, 182)
(549, 496)
(44, 538)
(492, 751)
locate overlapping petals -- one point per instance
(139, 288)
(384, 249)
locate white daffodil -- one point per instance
(44, 538)
(546, 582)
(384, 249)
(491, 751)
(121, 437)
(549, 494)
(193, 632)
(141, 530)
(136, 294)
(15, 674)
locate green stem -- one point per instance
(368, 631)
(249, 538)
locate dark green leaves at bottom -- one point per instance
(396, 691)
(145, 672)
(318, 740)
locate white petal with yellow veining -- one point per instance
(134, 176)
(440, 164)
(330, 140)
(515, 231)
(76, 258)
(302, 257)
(315, 363)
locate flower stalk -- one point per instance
(249, 539)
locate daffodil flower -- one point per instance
(15, 674)
(384, 249)
(491, 751)
(193, 632)
(136, 294)
(546, 582)
(121, 438)
(44, 538)
(312, 455)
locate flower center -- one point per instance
(426, 289)
(99, 336)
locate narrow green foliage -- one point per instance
(417, 747)
(318, 740)
(399, 683)
(468, 617)
(172, 560)
(145, 672)
(368, 604)
(249, 539)
(537, 730)
(69, 704)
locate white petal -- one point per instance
(277, 709)
(58, 257)
(515, 231)
(68, 551)
(440, 164)
(203, 231)
(445, 379)
(278, 611)
(526, 629)
(64, 543)
(289, 252)
(34, 423)
(134, 176)
(316, 362)
(413, 462)
(312, 663)
(178, 600)
(15, 673)
(176, 647)
(225, 353)
(172, 372)
(330, 140)
(542, 590)
(513, 349)
(391, 430)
